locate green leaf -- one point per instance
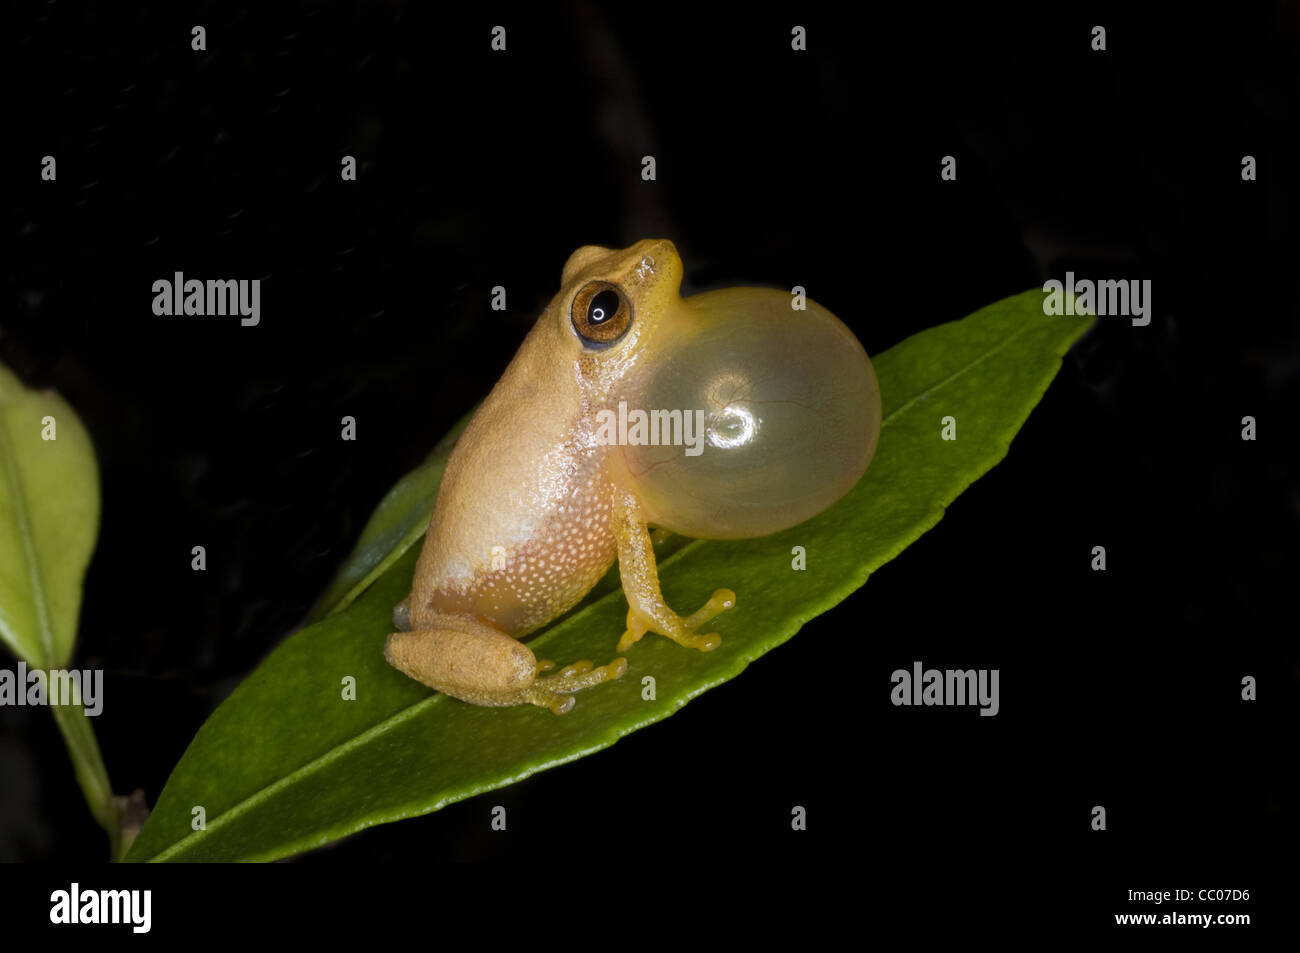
(49, 518)
(285, 765)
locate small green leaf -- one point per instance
(285, 764)
(49, 518)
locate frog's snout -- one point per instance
(660, 251)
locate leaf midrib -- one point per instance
(29, 546)
(411, 711)
(957, 373)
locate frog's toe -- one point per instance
(556, 691)
(557, 702)
(719, 602)
(636, 627)
(402, 615)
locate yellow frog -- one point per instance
(725, 415)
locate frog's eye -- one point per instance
(601, 314)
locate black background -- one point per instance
(774, 167)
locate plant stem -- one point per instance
(91, 773)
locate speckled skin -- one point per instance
(533, 509)
(518, 565)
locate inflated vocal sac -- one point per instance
(791, 410)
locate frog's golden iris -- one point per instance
(533, 508)
(601, 314)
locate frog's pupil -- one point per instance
(603, 307)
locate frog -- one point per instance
(546, 487)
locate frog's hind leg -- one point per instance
(647, 610)
(472, 660)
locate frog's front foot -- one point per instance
(681, 630)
